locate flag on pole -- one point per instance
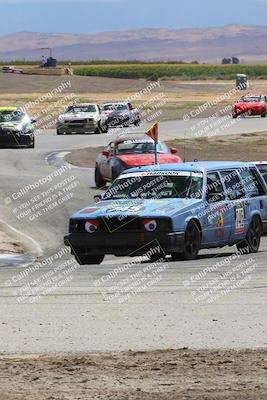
(153, 132)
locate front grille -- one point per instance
(120, 224)
(76, 121)
(7, 132)
(111, 224)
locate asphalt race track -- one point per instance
(78, 315)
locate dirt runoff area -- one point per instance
(156, 375)
(9, 245)
(244, 147)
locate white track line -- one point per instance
(61, 156)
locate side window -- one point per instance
(234, 187)
(252, 183)
(264, 174)
(214, 188)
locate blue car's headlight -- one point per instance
(150, 225)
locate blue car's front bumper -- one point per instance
(124, 244)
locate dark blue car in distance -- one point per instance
(182, 207)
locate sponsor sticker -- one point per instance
(133, 141)
(161, 173)
(220, 227)
(239, 219)
(132, 209)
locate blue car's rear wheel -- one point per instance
(253, 238)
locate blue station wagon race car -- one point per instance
(181, 207)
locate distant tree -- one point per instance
(235, 60)
(194, 62)
(227, 60)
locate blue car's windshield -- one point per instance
(145, 185)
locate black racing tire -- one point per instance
(104, 128)
(32, 145)
(157, 257)
(89, 260)
(253, 238)
(161, 255)
(137, 122)
(99, 181)
(263, 115)
(114, 174)
(59, 133)
(192, 242)
(234, 116)
(98, 130)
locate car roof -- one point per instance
(115, 102)
(260, 162)
(9, 108)
(199, 166)
(83, 105)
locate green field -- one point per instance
(183, 71)
(153, 71)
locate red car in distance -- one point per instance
(250, 105)
(128, 152)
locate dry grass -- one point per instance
(216, 148)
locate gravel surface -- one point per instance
(158, 375)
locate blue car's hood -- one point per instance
(140, 207)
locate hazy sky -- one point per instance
(104, 15)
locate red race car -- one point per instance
(129, 152)
(250, 105)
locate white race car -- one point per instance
(82, 118)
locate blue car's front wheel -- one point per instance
(83, 259)
(192, 242)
